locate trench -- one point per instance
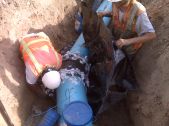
(19, 101)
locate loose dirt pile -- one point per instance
(147, 107)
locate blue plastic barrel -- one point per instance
(50, 118)
(77, 114)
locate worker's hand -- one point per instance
(121, 42)
(100, 14)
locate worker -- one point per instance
(130, 25)
(42, 63)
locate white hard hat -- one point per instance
(114, 0)
(51, 79)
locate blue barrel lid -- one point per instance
(77, 114)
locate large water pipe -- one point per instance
(72, 102)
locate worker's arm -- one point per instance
(144, 30)
(105, 13)
(141, 39)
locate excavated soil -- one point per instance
(148, 106)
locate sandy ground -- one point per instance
(149, 106)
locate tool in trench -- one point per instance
(5, 114)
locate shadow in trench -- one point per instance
(117, 115)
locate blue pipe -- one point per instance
(96, 4)
(50, 118)
(105, 6)
(73, 89)
(79, 47)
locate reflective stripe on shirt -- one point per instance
(143, 24)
